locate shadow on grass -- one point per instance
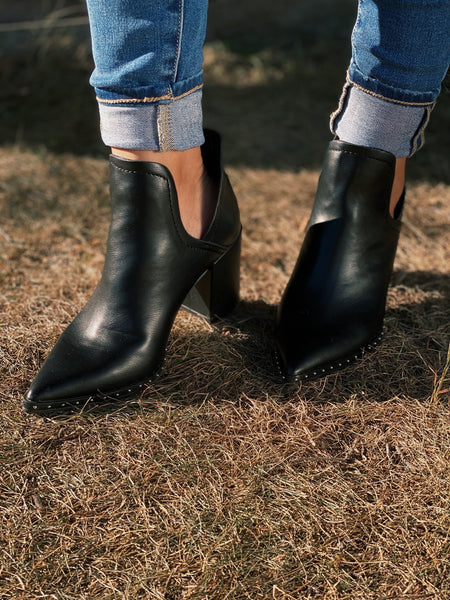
(233, 363)
(413, 352)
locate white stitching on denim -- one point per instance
(170, 134)
(149, 100)
(164, 124)
(351, 82)
(334, 115)
(419, 137)
(178, 43)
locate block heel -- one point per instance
(216, 292)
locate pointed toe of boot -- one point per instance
(47, 397)
(79, 372)
(306, 353)
(333, 307)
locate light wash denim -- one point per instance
(366, 120)
(400, 55)
(148, 72)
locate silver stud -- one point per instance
(331, 368)
(34, 407)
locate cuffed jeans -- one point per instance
(148, 72)
(400, 55)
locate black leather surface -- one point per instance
(334, 303)
(119, 337)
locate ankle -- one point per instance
(196, 191)
(398, 185)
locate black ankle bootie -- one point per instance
(333, 307)
(116, 344)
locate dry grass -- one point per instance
(218, 483)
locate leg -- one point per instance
(167, 190)
(400, 54)
(148, 86)
(333, 307)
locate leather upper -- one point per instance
(151, 263)
(334, 303)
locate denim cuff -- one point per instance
(382, 90)
(367, 119)
(172, 124)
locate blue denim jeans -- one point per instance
(400, 55)
(148, 72)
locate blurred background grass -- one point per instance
(273, 73)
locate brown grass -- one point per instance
(219, 483)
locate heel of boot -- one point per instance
(216, 293)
